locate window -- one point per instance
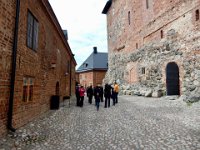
(32, 31)
(85, 65)
(147, 4)
(129, 17)
(161, 34)
(197, 15)
(143, 70)
(136, 45)
(27, 89)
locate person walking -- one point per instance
(101, 93)
(107, 95)
(77, 95)
(90, 94)
(97, 91)
(82, 94)
(116, 91)
(112, 95)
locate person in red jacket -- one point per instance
(82, 94)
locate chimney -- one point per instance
(95, 50)
(65, 34)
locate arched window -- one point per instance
(136, 45)
(197, 15)
(129, 17)
(161, 34)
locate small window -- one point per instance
(197, 15)
(143, 70)
(27, 89)
(32, 31)
(85, 65)
(147, 4)
(136, 45)
(129, 17)
(161, 34)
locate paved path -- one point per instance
(135, 123)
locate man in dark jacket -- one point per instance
(101, 93)
(107, 95)
(90, 94)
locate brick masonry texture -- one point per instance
(151, 38)
(52, 48)
(93, 77)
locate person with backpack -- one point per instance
(97, 92)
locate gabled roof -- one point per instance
(96, 61)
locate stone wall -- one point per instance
(154, 57)
(141, 46)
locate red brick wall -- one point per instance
(145, 24)
(98, 77)
(35, 64)
(91, 78)
(7, 13)
(86, 78)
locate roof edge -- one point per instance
(107, 6)
(55, 21)
(97, 69)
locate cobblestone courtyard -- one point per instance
(135, 123)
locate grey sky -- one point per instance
(85, 23)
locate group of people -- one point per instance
(108, 92)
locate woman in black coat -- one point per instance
(107, 95)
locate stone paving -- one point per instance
(135, 123)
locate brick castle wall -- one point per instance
(6, 38)
(34, 64)
(150, 38)
(91, 78)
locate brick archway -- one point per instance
(172, 79)
(57, 88)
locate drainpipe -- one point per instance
(13, 71)
(70, 77)
(70, 82)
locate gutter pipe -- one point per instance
(13, 71)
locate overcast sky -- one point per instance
(85, 23)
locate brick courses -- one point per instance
(52, 47)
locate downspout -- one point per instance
(13, 71)
(70, 78)
(70, 82)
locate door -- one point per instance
(172, 79)
(57, 88)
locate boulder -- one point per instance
(157, 93)
(148, 93)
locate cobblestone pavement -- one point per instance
(135, 123)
